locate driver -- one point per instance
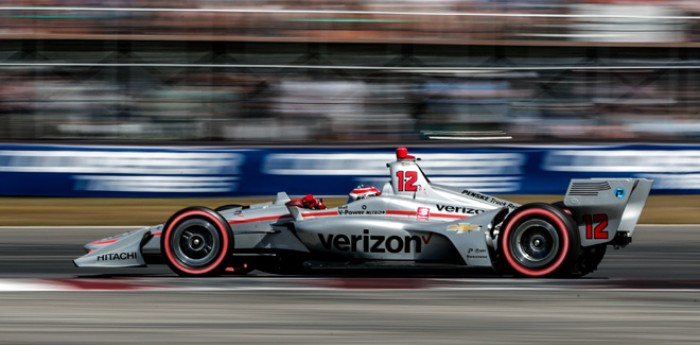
(312, 203)
(309, 201)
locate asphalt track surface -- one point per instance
(646, 293)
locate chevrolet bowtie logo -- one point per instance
(462, 228)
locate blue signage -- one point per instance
(120, 171)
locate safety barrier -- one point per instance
(128, 171)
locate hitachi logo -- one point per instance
(458, 209)
(117, 256)
(374, 243)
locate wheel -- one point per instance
(196, 241)
(589, 257)
(539, 240)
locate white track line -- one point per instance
(36, 285)
(28, 285)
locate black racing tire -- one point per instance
(560, 204)
(196, 241)
(230, 206)
(539, 240)
(589, 257)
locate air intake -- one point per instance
(588, 188)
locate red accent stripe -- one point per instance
(278, 217)
(97, 284)
(401, 213)
(447, 215)
(157, 233)
(105, 241)
(259, 219)
(335, 213)
(413, 213)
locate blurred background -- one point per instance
(341, 71)
(202, 98)
(120, 112)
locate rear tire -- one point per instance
(589, 257)
(539, 240)
(196, 241)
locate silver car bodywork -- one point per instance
(412, 221)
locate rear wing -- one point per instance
(607, 210)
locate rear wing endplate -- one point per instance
(604, 207)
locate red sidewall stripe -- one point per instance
(561, 227)
(224, 242)
(258, 219)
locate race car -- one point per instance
(409, 223)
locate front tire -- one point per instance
(196, 241)
(539, 240)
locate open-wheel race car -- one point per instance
(409, 223)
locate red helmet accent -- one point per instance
(402, 153)
(309, 198)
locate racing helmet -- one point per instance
(311, 202)
(362, 192)
(308, 201)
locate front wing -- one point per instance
(124, 250)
